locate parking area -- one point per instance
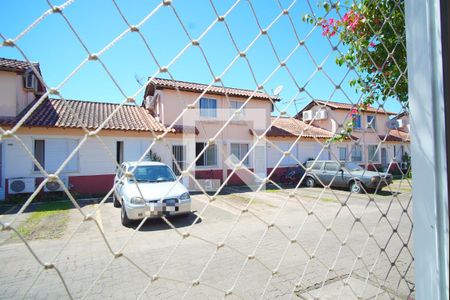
(283, 242)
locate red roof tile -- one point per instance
(7, 64)
(290, 127)
(339, 105)
(162, 83)
(57, 113)
(395, 135)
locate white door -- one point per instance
(259, 160)
(2, 179)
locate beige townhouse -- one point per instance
(193, 115)
(52, 132)
(380, 139)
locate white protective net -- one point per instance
(271, 239)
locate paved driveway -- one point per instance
(278, 245)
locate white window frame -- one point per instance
(376, 153)
(183, 163)
(46, 140)
(360, 122)
(360, 150)
(33, 81)
(241, 153)
(234, 106)
(205, 155)
(346, 153)
(373, 124)
(209, 111)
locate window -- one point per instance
(374, 155)
(234, 106)
(314, 165)
(342, 153)
(239, 151)
(332, 166)
(178, 160)
(153, 174)
(30, 81)
(39, 153)
(208, 158)
(357, 153)
(51, 154)
(371, 122)
(208, 107)
(119, 152)
(398, 152)
(358, 121)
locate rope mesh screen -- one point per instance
(286, 241)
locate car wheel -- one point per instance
(124, 218)
(310, 182)
(116, 202)
(355, 187)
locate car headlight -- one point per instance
(185, 196)
(137, 201)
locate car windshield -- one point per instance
(153, 174)
(353, 167)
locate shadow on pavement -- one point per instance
(160, 224)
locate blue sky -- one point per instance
(55, 47)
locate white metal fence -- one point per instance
(342, 244)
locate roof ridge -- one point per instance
(53, 112)
(21, 61)
(217, 86)
(339, 105)
(92, 101)
(283, 117)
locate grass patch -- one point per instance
(49, 197)
(48, 221)
(402, 186)
(326, 199)
(239, 198)
(273, 190)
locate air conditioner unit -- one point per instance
(21, 185)
(55, 186)
(307, 115)
(321, 115)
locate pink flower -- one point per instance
(345, 17)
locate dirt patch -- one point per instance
(240, 200)
(48, 221)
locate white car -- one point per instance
(149, 189)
